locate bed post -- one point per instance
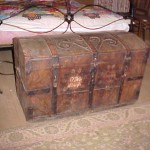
(131, 11)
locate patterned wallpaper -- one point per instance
(114, 5)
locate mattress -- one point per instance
(45, 20)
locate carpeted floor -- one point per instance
(123, 128)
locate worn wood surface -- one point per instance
(73, 73)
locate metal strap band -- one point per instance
(93, 68)
(127, 59)
(55, 69)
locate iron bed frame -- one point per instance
(68, 16)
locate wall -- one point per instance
(92, 1)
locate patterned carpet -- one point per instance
(123, 128)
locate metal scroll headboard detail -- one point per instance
(68, 16)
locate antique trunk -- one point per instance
(73, 73)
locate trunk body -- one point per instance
(73, 73)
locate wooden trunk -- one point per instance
(73, 73)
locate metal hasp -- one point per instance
(92, 80)
(55, 60)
